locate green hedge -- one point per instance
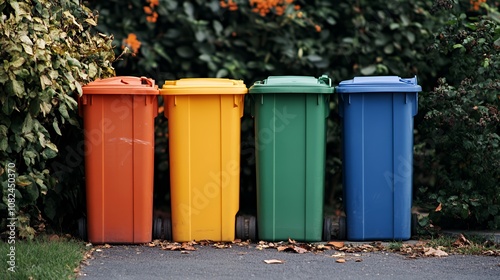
(49, 49)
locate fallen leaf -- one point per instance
(274, 261)
(300, 250)
(282, 248)
(291, 241)
(98, 250)
(188, 246)
(107, 246)
(461, 241)
(184, 252)
(434, 252)
(54, 237)
(237, 241)
(358, 260)
(338, 255)
(340, 260)
(336, 244)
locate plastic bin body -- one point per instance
(204, 120)
(290, 141)
(377, 138)
(118, 116)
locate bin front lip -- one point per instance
(130, 90)
(266, 89)
(179, 90)
(293, 84)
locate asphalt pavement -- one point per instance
(249, 262)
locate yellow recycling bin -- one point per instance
(204, 121)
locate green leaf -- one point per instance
(18, 62)
(18, 88)
(369, 70)
(51, 146)
(26, 40)
(45, 81)
(28, 49)
(55, 125)
(23, 181)
(8, 106)
(64, 111)
(49, 153)
(185, 51)
(92, 70)
(27, 124)
(4, 144)
(222, 73)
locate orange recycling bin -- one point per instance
(204, 121)
(118, 115)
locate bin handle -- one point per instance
(147, 81)
(324, 78)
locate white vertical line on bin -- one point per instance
(221, 157)
(273, 108)
(190, 217)
(305, 163)
(363, 165)
(394, 100)
(133, 165)
(103, 150)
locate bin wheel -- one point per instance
(167, 228)
(82, 228)
(414, 224)
(246, 227)
(157, 228)
(327, 228)
(342, 228)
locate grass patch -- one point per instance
(469, 245)
(43, 258)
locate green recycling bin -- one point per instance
(290, 140)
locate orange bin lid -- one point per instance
(199, 86)
(122, 85)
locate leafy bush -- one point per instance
(461, 127)
(49, 49)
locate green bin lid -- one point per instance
(293, 84)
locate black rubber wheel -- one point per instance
(414, 224)
(246, 227)
(342, 229)
(167, 229)
(82, 228)
(157, 228)
(327, 228)
(252, 230)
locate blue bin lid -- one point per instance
(379, 84)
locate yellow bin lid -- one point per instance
(199, 86)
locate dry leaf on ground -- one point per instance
(336, 244)
(274, 261)
(340, 260)
(434, 252)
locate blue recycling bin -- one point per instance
(377, 133)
